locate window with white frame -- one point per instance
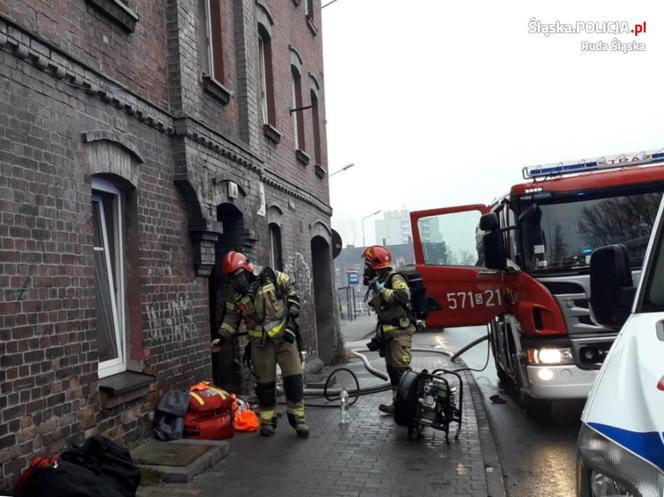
(266, 79)
(296, 111)
(263, 77)
(315, 120)
(107, 210)
(213, 63)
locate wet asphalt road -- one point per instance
(538, 457)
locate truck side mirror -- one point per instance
(489, 222)
(494, 251)
(611, 286)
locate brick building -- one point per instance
(140, 141)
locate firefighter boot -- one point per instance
(294, 390)
(267, 400)
(267, 428)
(388, 408)
(300, 425)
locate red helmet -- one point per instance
(378, 257)
(234, 261)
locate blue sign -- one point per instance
(353, 277)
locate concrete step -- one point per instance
(178, 460)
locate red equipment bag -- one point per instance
(210, 413)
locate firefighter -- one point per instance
(268, 303)
(390, 299)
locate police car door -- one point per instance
(461, 291)
(626, 405)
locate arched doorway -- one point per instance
(321, 256)
(227, 370)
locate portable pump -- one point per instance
(429, 399)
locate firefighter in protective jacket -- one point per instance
(268, 303)
(390, 299)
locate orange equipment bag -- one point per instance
(210, 413)
(244, 418)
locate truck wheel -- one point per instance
(504, 380)
(538, 408)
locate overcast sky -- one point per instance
(443, 103)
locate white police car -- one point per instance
(621, 443)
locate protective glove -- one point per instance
(223, 335)
(378, 286)
(246, 357)
(375, 344)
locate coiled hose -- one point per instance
(333, 394)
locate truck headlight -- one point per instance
(550, 356)
(605, 469)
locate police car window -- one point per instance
(450, 239)
(653, 300)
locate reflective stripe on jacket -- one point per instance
(264, 310)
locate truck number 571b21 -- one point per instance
(470, 300)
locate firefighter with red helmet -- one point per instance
(390, 299)
(268, 304)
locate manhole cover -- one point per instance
(155, 453)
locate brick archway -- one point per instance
(226, 368)
(323, 283)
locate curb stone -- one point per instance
(492, 466)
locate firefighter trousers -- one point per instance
(265, 359)
(397, 353)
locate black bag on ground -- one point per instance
(110, 462)
(419, 302)
(69, 480)
(169, 416)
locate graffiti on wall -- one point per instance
(171, 321)
(297, 268)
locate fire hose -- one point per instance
(332, 394)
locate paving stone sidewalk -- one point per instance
(370, 457)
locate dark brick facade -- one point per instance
(103, 89)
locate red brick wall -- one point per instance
(48, 354)
(290, 30)
(137, 60)
(48, 363)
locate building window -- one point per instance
(298, 122)
(276, 258)
(107, 210)
(266, 81)
(310, 9)
(214, 63)
(316, 128)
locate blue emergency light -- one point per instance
(611, 162)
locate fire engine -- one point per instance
(521, 265)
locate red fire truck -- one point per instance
(521, 265)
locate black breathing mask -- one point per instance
(369, 275)
(241, 281)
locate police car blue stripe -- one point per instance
(648, 445)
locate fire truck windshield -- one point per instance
(559, 233)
